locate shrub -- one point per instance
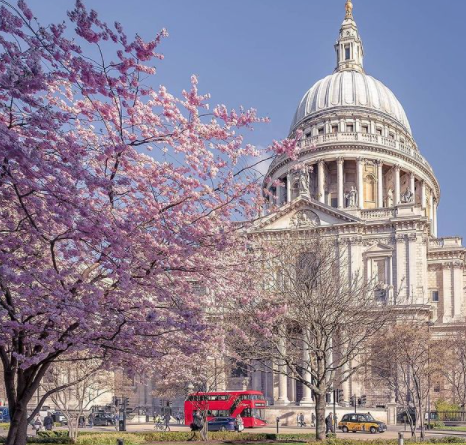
(56, 433)
(110, 438)
(447, 439)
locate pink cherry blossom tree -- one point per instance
(116, 198)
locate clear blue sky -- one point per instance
(267, 53)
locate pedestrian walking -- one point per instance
(166, 418)
(38, 423)
(91, 420)
(239, 425)
(301, 422)
(48, 422)
(197, 425)
(116, 420)
(329, 424)
(313, 420)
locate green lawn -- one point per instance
(451, 428)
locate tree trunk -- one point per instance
(321, 403)
(17, 434)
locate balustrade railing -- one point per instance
(359, 137)
(369, 214)
(451, 241)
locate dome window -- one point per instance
(321, 130)
(334, 129)
(391, 135)
(347, 52)
(349, 128)
(379, 131)
(365, 129)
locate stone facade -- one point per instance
(361, 179)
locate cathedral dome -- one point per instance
(350, 89)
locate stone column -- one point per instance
(397, 185)
(401, 284)
(292, 390)
(412, 186)
(458, 283)
(282, 380)
(359, 167)
(307, 393)
(340, 164)
(431, 216)
(256, 380)
(434, 221)
(289, 178)
(447, 297)
(320, 178)
(412, 276)
(379, 184)
(423, 195)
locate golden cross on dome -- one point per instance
(349, 9)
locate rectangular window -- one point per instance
(321, 130)
(435, 296)
(347, 52)
(349, 128)
(335, 202)
(379, 131)
(380, 271)
(391, 135)
(365, 129)
(334, 128)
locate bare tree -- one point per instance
(454, 366)
(408, 359)
(82, 383)
(312, 317)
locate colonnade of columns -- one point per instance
(385, 197)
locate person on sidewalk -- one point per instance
(329, 424)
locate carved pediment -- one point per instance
(304, 212)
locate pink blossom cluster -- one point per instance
(116, 199)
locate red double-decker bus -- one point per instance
(249, 405)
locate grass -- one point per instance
(451, 428)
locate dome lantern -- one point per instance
(349, 48)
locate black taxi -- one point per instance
(361, 422)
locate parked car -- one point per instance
(361, 422)
(222, 424)
(59, 417)
(103, 419)
(4, 414)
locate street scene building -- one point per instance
(361, 178)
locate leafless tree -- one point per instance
(408, 360)
(454, 366)
(312, 316)
(80, 384)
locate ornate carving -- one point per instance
(400, 238)
(407, 196)
(304, 183)
(389, 199)
(305, 218)
(352, 197)
(349, 9)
